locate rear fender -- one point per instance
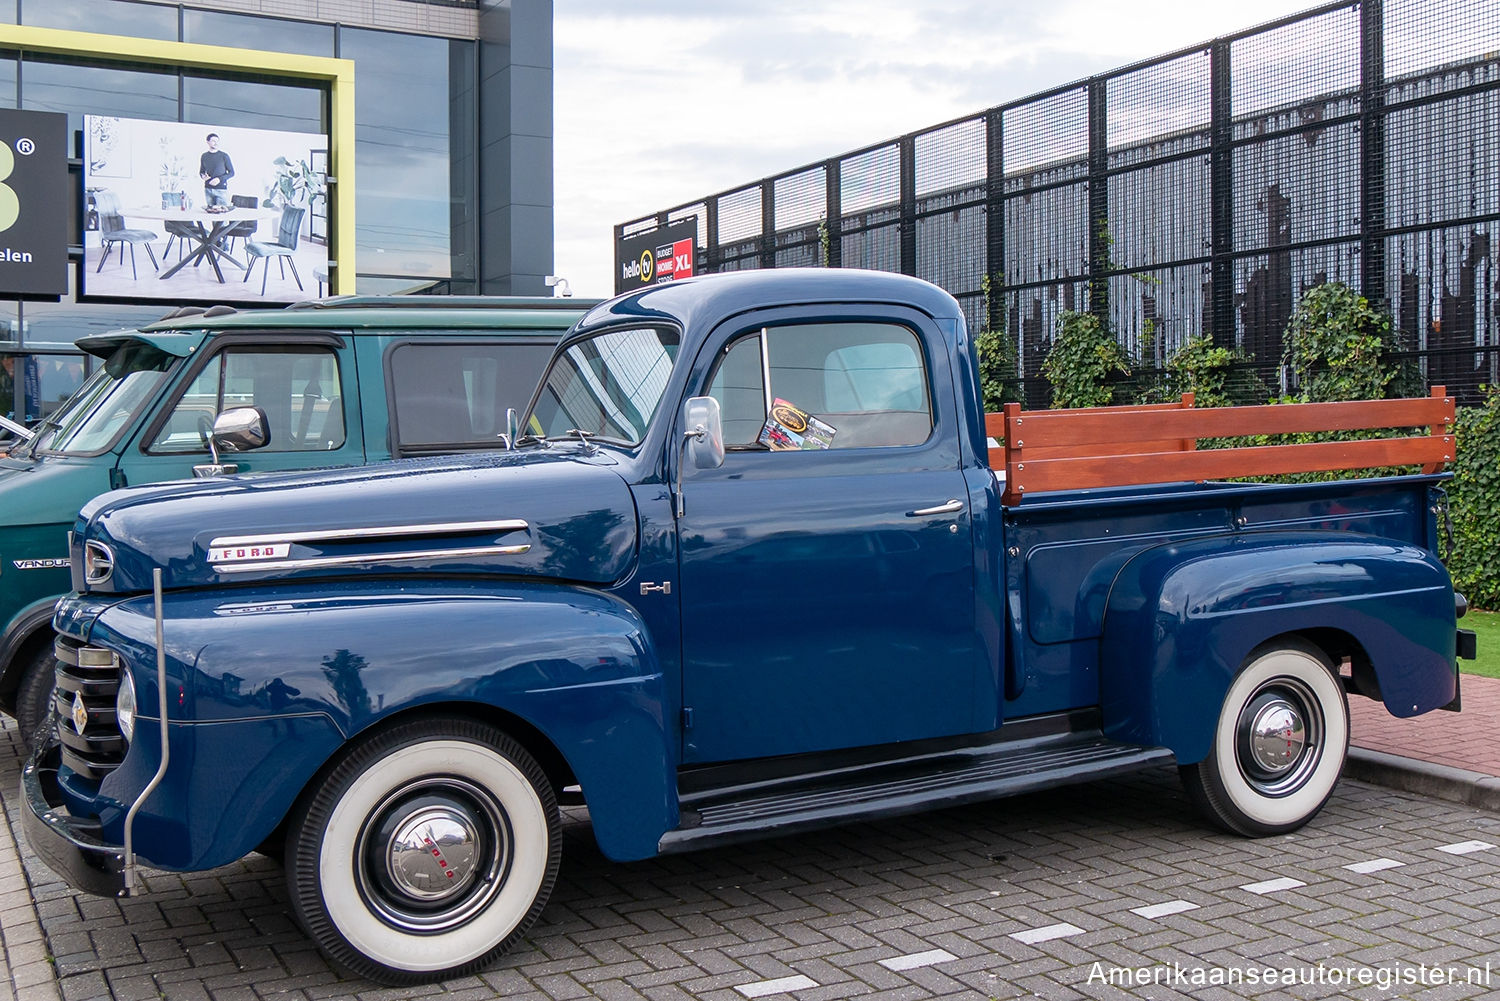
(575, 664)
(1181, 619)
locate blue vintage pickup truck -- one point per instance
(745, 569)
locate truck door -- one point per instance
(826, 566)
(299, 384)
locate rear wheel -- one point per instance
(426, 853)
(1279, 744)
(34, 694)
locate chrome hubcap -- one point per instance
(1279, 737)
(433, 854)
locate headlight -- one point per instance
(125, 706)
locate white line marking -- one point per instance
(1273, 885)
(1374, 865)
(1033, 936)
(917, 959)
(1466, 847)
(1162, 910)
(765, 988)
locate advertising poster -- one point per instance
(661, 255)
(33, 204)
(181, 212)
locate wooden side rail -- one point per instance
(1120, 446)
(994, 426)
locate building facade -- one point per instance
(448, 139)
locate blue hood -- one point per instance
(553, 514)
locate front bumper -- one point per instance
(71, 846)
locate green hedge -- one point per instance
(1474, 502)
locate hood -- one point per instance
(49, 490)
(527, 514)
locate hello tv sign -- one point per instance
(33, 203)
(660, 255)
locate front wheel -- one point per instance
(34, 694)
(1279, 744)
(426, 852)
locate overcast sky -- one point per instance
(660, 103)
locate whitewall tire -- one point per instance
(1279, 744)
(427, 852)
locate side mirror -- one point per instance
(704, 431)
(240, 430)
(236, 430)
(512, 428)
(702, 438)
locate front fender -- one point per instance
(1181, 619)
(18, 631)
(574, 663)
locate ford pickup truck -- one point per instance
(751, 565)
(343, 381)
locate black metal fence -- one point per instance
(1197, 192)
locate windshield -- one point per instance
(91, 419)
(608, 385)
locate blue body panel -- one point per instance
(1181, 619)
(576, 664)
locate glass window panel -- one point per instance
(457, 394)
(249, 32)
(866, 380)
(253, 104)
(57, 377)
(298, 388)
(739, 387)
(107, 17)
(95, 415)
(80, 90)
(7, 81)
(608, 385)
(402, 209)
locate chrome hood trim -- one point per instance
(253, 553)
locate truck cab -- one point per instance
(341, 382)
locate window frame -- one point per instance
(334, 343)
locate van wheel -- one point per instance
(1279, 745)
(426, 852)
(34, 694)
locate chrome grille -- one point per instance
(88, 679)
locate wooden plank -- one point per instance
(1033, 476)
(1053, 428)
(994, 422)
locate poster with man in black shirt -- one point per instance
(215, 168)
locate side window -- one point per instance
(446, 395)
(846, 385)
(739, 387)
(298, 388)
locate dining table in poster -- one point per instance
(208, 231)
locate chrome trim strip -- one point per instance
(315, 562)
(63, 651)
(382, 532)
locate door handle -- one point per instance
(952, 507)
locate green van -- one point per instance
(337, 382)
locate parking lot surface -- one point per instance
(1108, 890)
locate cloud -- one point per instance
(664, 104)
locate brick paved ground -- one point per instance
(1018, 898)
(1470, 739)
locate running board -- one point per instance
(714, 817)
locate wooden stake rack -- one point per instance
(1157, 443)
